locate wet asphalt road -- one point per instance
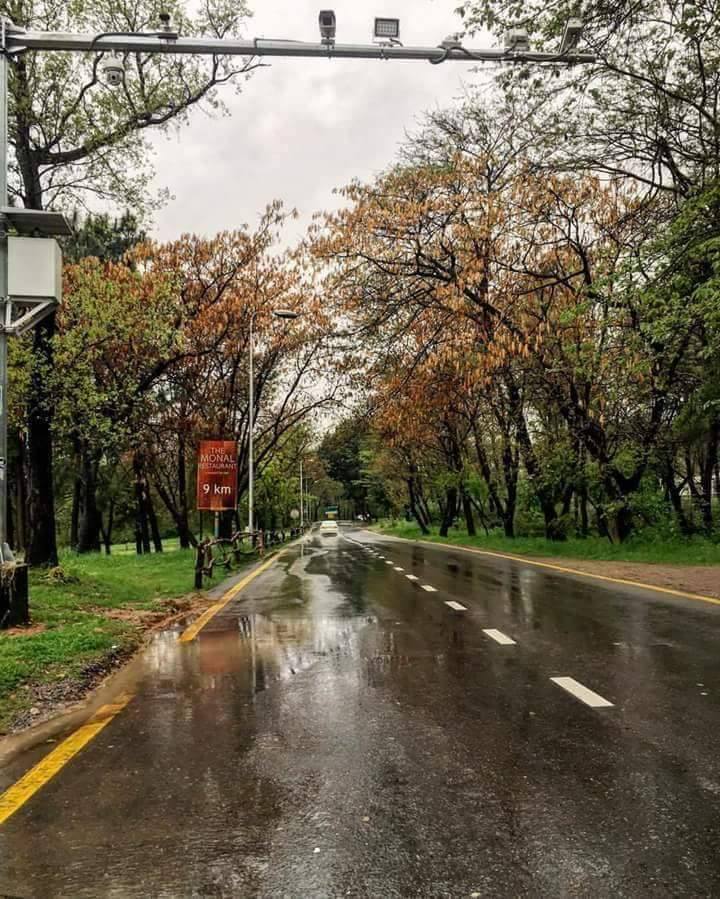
(340, 731)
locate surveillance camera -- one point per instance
(517, 41)
(167, 32)
(328, 26)
(113, 70)
(571, 35)
(452, 42)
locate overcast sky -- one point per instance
(304, 127)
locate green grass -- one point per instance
(695, 551)
(76, 632)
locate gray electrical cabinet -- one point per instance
(34, 269)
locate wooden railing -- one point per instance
(229, 552)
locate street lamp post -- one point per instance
(302, 500)
(251, 429)
(278, 313)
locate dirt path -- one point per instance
(701, 579)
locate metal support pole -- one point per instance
(251, 428)
(217, 525)
(302, 501)
(4, 318)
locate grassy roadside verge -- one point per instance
(697, 551)
(84, 624)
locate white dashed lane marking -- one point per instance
(582, 693)
(455, 605)
(388, 562)
(399, 569)
(412, 577)
(429, 588)
(499, 637)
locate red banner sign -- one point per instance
(217, 475)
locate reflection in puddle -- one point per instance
(282, 647)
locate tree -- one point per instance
(347, 453)
(106, 239)
(204, 392)
(77, 141)
(647, 110)
(116, 329)
(469, 272)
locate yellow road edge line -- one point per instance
(191, 633)
(598, 577)
(18, 794)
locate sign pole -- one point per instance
(4, 300)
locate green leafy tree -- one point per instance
(78, 142)
(647, 110)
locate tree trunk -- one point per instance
(675, 496)
(547, 503)
(142, 531)
(706, 475)
(451, 499)
(75, 513)
(180, 517)
(42, 544)
(510, 469)
(469, 520)
(553, 528)
(618, 521)
(416, 512)
(107, 532)
(152, 518)
(486, 472)
(187, 539)
(89, 526)
(480, 509)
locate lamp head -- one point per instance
(328, 26)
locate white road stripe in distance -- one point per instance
(499, 637)
(412, 577)
(399, 569)
(388, 562)
(582, 693)
(455, 605)
(429, 588)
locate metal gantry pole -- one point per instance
(18, 39)
(5, 555)
(251, 429)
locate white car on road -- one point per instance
(329, 528)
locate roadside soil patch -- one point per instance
(701, 579)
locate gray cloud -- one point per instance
(304, 127)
